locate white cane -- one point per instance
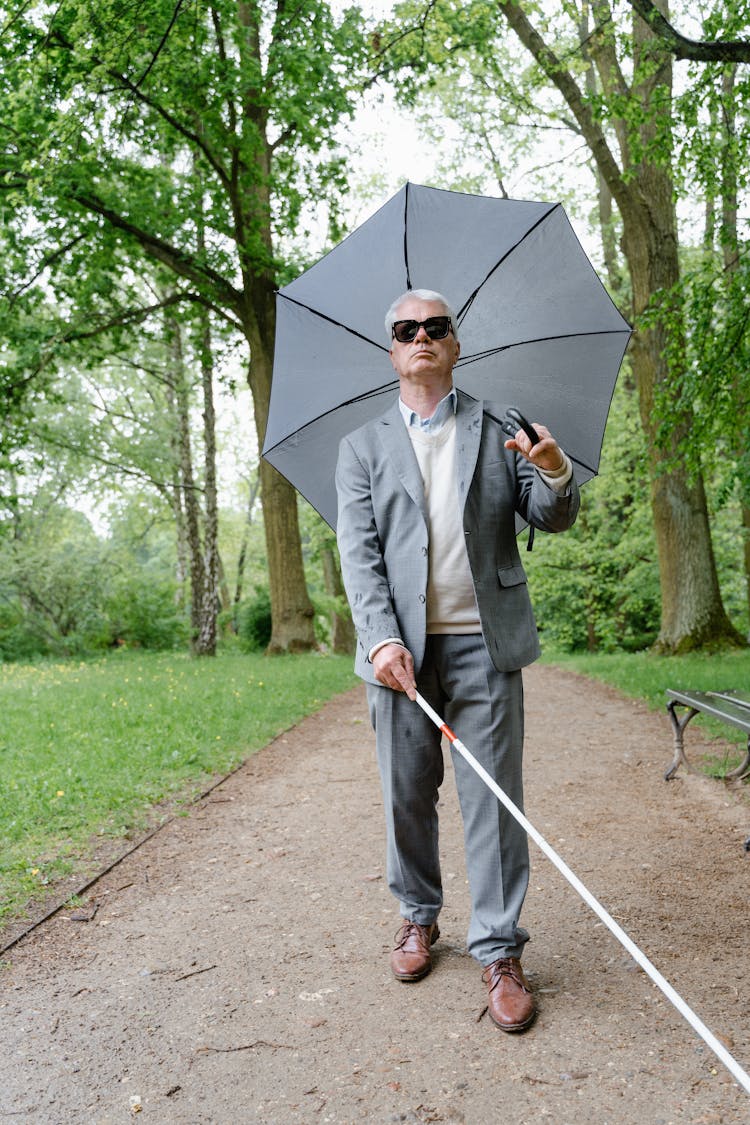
(697, 1024)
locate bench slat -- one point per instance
(718, 704)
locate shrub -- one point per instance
(254, 621)
(143, 612)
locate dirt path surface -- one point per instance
(235, 968)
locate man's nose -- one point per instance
(421, 335)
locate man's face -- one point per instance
(423, 358)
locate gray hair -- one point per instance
(421, 295)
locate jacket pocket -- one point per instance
(511, 575)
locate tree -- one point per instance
(715, 50)
(714, 290)
(642, 187)
(124, 411)
(596, 588)
(321, 552)
(192, 136)
(634, 111)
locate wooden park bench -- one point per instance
(732, 707)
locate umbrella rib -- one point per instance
(391, 386)
(464, 360)
(470, 301)
(406, 236)
(330, 319)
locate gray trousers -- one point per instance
(484, 708)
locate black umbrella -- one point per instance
(538, 330)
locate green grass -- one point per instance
(647, 676)
(90, 748)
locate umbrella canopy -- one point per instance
(538, 330)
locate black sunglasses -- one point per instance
(436, 327)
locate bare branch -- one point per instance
(46, 261)
(130, 316)
(139, 474)
(162, 44)
(179, 262)
(713, 50)
(568, 87)
(189, 135)
(16, 16)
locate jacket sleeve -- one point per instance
(539, 504)
(362, 564)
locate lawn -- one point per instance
(88, 749)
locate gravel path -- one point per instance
(235, 968)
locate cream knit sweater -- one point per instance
(451, 604)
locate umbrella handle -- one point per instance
(517, 421)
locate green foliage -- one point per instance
(64, 590)
(142, 612)
(192, 137)
(104, 104)
(461, 76)
(90, 748)
(254, 621)
(596, 587)
(715, 356)
(610, 84)
(712, 109)
(51, 586)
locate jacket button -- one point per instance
(422, 598)
(424, 550)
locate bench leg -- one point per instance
(743, 768)
(678, 728)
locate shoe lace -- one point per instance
(405, 932)
(503, 967)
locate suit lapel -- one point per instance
(399, 450)
(468, 438)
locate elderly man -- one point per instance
(428, 494)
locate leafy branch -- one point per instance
(714, 50)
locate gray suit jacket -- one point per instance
(383, 536)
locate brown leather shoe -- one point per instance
(511, 1005)
(411, 958)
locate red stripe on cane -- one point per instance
(448, 732)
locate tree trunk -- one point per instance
(746, 552)
(183, 553)
(731, 256)
(253, 496)
(342, 626)
(225, 598)
(174, 492)
(603, 192)
(205, 644)
(291, 609)
(187, 483)
(692, 614)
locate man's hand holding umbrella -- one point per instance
(544, 454)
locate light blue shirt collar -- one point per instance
(437, 420)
